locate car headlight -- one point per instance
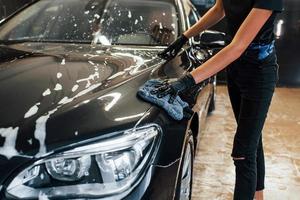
(107, 167)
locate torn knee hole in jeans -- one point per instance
(238, 158)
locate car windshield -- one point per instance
(106, 22)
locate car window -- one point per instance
(142, 22)
(193, 18)
(189, 13)
(204, 3)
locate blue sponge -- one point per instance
(177, 109)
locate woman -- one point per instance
(252, 76)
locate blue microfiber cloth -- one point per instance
(178, 109)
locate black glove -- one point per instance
(174, 48)
(173, 89)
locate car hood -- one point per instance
(54, 95)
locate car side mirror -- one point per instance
(212, 39)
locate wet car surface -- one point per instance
(71, 125)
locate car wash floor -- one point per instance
(214, 170)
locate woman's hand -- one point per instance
(215, 14)
(170, 52)
(173, 89)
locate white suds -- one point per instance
(160, 25)
(47, 92)
(97, 16)
(88, 79)
(32, 111)
(42, 176)
(58, 87)
(40, 131)
(90, 55)
(63, 62)
(116, 75)
(8, 149)
(59, 75)
(65, 100)
(41, 122)
(86, 101)
(75, 87)
(43, 196)
(91, 62)
(99, 51)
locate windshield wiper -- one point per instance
(8, 42)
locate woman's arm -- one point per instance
(215, 14)
(212, 16)
(245, 35)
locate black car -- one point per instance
(71, 125)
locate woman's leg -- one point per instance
(234, 92)
(256, 83)
(251, 121)
(260, 160)
(259, 195)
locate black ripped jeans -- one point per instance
(251, 84)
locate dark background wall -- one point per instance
(288, 43)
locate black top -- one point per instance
(237, 10)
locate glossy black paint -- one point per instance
(99, 107)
